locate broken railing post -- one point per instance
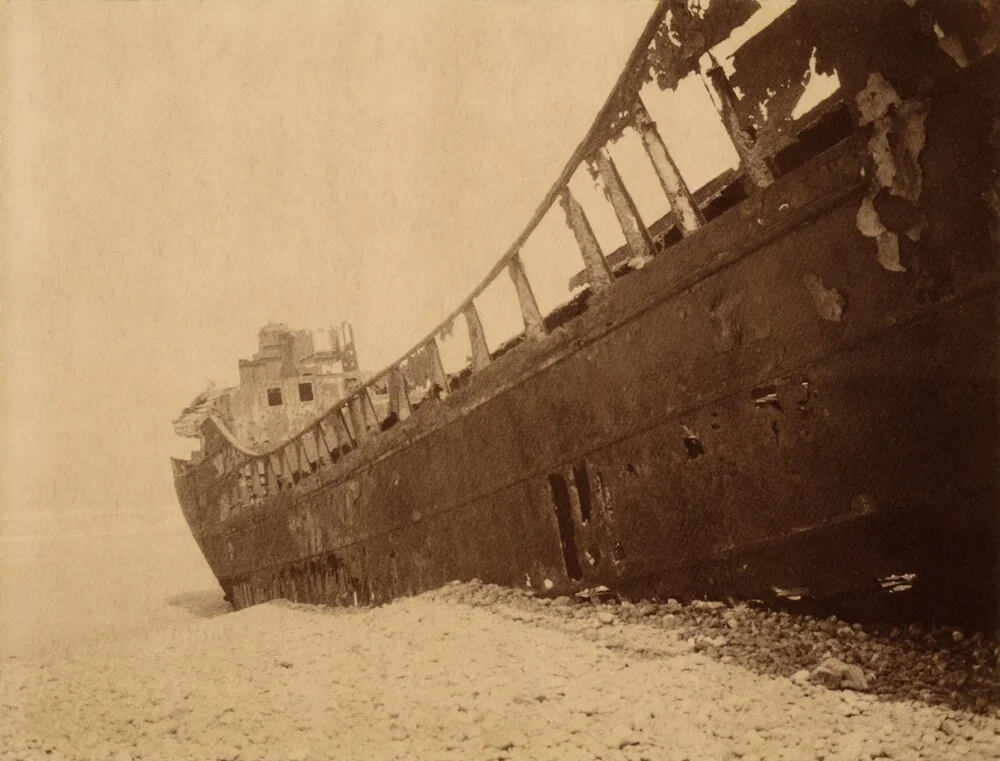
(682, 203)
(399, 401)
(314, 457)
(321, 443)
(477, 338)
(293, 463)
(372, 423)
(272, 477)
(346, 415)
(439, 376)
(598, 270)
(279, 468)
(257, 473)
(357, 408)
(753, 164)
(635, 231)
(534, 326)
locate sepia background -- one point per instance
(176, 175)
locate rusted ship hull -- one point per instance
(766, 406)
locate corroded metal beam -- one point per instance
(357, 410)
(689, 216)
(598, 271)
(399, 401)
(753, 163)
(628, 215)
(368, 407)
(437, 367)
(477, 338)
(534, 326)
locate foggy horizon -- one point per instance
(195, 174)
(185, 174)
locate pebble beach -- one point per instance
(475, 671)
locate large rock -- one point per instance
(834, 674)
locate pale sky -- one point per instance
(176, 175)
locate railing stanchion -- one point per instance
(399, 400)
(368, 407)
(346, 420)
(321, 445)
(255, 474)
(682, 203)
(291, 454)
(534, 325)
(754, 165)
(279, 468)
(358, 423)
(477, 338)
(440, 377)
(272, 477)
(598, 270)
(636, 234)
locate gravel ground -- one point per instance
(473, 671)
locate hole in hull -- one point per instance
(564, 519)
(694, 446)
(765, 396)
(582, 480)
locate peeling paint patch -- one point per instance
(762, 106)
(900, 582)
(888, 252)
(796, 593)
(951, 45)
(868, 221)
(916, 231)
(828, 301)
(954, 48)
(897, 166)
(873, 102)
(881, 153)
(910, 125)
(898, 138)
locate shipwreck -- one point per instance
(786, 389)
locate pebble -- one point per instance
(801, 676)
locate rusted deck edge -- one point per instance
(843, 180)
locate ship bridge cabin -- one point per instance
(291, 380)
